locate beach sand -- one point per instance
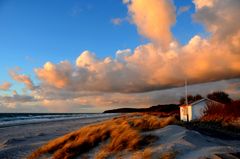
(190, 144)
(173, 141)
(120, 138)
(16, 142)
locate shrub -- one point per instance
(227, 113)
(220, 96)
(190, 99)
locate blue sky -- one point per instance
(33, 32)
(36, 36)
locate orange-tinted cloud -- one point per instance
(149, 67)
(5, 86)
(23, 79)
(56, 75)
(153, 19)
(203, 3)
(131, 78)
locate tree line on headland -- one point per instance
(218, 96)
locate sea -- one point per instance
(11, 119)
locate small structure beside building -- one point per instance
(194, 110)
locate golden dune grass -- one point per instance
(144, 154)
(227, 115)
(112, 136)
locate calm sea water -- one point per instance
(9, 119)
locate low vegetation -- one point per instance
(219, 120)
(123, 135)
(223, 119)
(224, 113)
(111, 137)
(220, 96)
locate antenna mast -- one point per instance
(186, 92)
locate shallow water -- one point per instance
(10, 119)
(19, 140)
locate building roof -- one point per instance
(198, 101)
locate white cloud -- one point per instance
(183, 9)
(117, 21)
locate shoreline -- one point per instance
(139, 136)
(57, 120)
(18, 141)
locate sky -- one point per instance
(89, 56)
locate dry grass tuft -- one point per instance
(147, 122)
(145, 154)
(225, 114)
(168, 155)
(118, 134)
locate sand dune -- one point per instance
(189, 144)
(137, 137)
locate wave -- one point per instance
(10, 119)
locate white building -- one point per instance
(194, 110)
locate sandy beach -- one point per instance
(190, 144)
(131, 137)
(16, 142)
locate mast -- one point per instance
(186, 92)
(186, 100)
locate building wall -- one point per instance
(184, 111)
(190, 112)
(198, 110)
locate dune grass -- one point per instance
(219, 120)
(227, 115)
(230, 110)
(111, 137)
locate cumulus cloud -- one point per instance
(56, 75)
(121, 55)
(118, 21)
(5, 86)
(183, 9)
(26, 80)
(17, 98)
(221, 20)
(203, 3)
(140, 77)
(146, 69)
(102, 101)
(153, 19)
(149, 67)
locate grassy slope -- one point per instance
(112, 136)
(123, 134)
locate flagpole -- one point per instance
(186, 92)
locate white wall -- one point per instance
(189, 112)
(183, 114)
(198, 109)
